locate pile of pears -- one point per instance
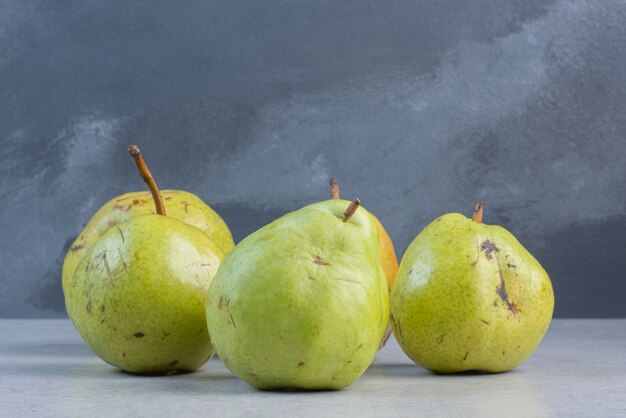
(154, 284)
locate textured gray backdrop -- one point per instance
(419, 107)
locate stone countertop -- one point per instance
(578, 370)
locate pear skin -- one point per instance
(469, 296)
(301, 303)
(389, 263)
(137, 296)
(181, 205)
(388, 259)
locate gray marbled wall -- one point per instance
(419, 107)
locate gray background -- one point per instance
(419, 107)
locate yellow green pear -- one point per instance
(302, 303)
(469, 296)
(180, 205)
(137, 295)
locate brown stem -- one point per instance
(354, 205)
(477, 216)
(134, 152)
(334, 188)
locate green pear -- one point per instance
(302, 303)
(137, 296)
(469, 296)
(181, 205)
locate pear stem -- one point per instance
(134, 152)
(354, 205)
(477, 216)
(334, 188)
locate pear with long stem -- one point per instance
(181, 205)
(137, 295)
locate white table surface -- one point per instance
(578, 370)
